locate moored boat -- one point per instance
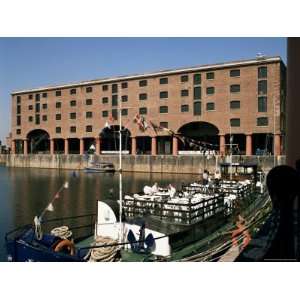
(100, 168)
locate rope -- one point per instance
(38, 228)
(63, 232)
(104, 254)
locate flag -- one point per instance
(66, 185)
(50, 207)
(141, 122)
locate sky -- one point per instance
(33, 62)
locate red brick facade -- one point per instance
(92, 112)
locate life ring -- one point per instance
(65, 244)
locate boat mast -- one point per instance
(230, 145)
(120, 167)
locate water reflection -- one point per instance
(24, 193)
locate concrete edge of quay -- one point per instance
(181, 164)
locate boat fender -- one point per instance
(65, 245)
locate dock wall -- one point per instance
(185, 164)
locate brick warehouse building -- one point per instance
(245, 98)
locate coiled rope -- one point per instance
(63, 232)
(108, 253)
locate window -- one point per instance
(73, 115)
(262, 87)
(57, 93)
(44, 118)
(124, 112)
(235, 88)
(184, 78)
(197, 93)
(184, 108)
(143, 110)
(58, 129)
(124, 98)
(37, 97)
(143, 83)
(263, 121)
(37, 107)
(235, 73)
(114, 114)
(18, 109)
(164, 124)
(124, 85)
(210, 75)
(235, 104)
(18, 120)
(114, 100)
(30, 96)
(18, 99)
(163, 80)
(30, 118)
(18, 131)
(262, 72)
(37, 119)
(197, 108)
(163, 109)
(235, 122)
(58, 117)
(104, 100)
(30, 107)
(210, 90)
(163, 95)
(89, 114)
(45, 106)
(105, 87)
(88, 101)
(73, 129)
(197, 78)
(89, 128)
(114, 88)
(143, 96)
(44, 95)
(58, 104)
(262, 104)
(73, 91)
(89, 89)
(73, 103)
(184, 93)
(210, 106)
(104, 113)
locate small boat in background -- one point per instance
(100, 168)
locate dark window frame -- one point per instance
(73, 91)
(234, 102)
(143, 110)
(164, 109)
(233, 120)
(213, 106)
(88, 101)
(262, 124)
(184, 108)
(143, 96)
(233, 86)
(184, 78)
(210, 74)
(184, 93)
(210, 90)
(89, 89)
(143, 82)
(163, 80)
(235, 73)
(163, 94)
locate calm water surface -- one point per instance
(24, 193)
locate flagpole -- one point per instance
(120, 166)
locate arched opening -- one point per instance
(59, 146)
(262, 143)
(89, 145)
(238, 144)
(74, 146)
(110, 140)
(201, 132)
(143, 145)
(38, 141)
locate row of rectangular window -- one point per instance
(262, 73)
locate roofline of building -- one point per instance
(231, 64)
